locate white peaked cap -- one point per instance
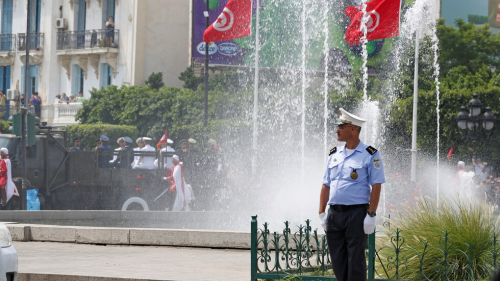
(169, 141)
(120, 139)
(349, 118)
(146, 139)
(4, 150)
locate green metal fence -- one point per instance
(304, 255)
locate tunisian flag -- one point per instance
(383, 21)
(235, 21)
(162, 140)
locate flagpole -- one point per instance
(414, 122)
(256, 93)
(207, 45)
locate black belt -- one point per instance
(343, 208)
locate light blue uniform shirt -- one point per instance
(343, 189)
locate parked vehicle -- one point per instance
(72, 180)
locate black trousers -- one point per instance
(347, 242)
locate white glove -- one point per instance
(369, 224)
(322, 220)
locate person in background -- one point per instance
(110, 26)
(179, 186)
(478, 166)
(140, 144)
(125, 158)
(103, 159)
(80, 97)
(36, 101)
(77, 141)
(146, 162)
(63, 98)
(21, 99)
(168, 152)
(97, 144)
(2, 98)
(121, 145)
(8, 188)
(72, 99)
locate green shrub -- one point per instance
(470, 226)
(91, 132)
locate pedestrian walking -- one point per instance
(179, 186)
(351, 214)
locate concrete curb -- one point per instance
(129, 236)
(55, 277)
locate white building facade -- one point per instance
(72, 50)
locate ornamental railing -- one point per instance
(87, 39)
(35, 41)
(7, 42)
(304, 255)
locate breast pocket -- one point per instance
(334, 167)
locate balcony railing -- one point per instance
(65, 113)
(35, 41)
(7, 42)
(87, 39)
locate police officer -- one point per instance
(351, 213)
(97, 144)
(103, 156)
(77, 141)
(125, 156)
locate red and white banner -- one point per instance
(235, 21)
(383, 21)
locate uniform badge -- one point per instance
(332, 151)
(354, 175)
(376, 163)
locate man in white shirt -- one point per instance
(146, 162)
(167, 153)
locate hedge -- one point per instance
(91, 132)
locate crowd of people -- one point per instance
(63, 98)
(479, 181)
(202, 169)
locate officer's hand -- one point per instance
(322, 219)
(369, 224)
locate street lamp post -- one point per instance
(470, 121)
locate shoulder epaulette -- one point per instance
(371, 150)
(332, 151)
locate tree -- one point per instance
(155, 81)
(191, 81)
(468, 45)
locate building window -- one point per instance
(35, 12)
(109, 11)
(33, 80)
(106, 76)
(78, 80)
(4, 86)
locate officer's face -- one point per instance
(344, 132)
(77, 143)
(122, 144)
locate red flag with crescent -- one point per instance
(235, 21)
(383, 21)
(162, 140)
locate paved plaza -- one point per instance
(133, 262)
